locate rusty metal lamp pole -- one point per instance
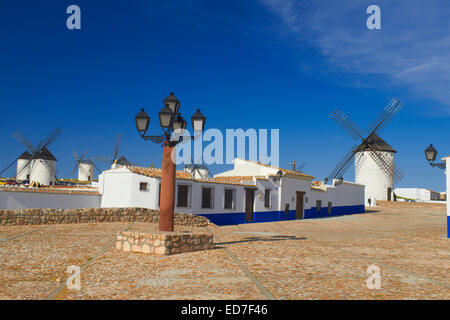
(173, 126)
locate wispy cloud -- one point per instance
(412, 49)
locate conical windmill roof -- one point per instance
(25, 156)
(45, 154)
(374, 140)
(123, 161)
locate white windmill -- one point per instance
(86, 167)
(197, 171)
(36, 164)
(374, 158)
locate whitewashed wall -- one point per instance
(120, 188)
(289, 188)
(419, 194)
(29, 200)
(369, 174)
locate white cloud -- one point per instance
(411, 50)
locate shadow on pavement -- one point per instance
(265, 239)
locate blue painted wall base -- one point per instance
(448, 227)
(224, 219)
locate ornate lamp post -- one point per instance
(430, 155)
(173, 126)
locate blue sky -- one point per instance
(247, 64)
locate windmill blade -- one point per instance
(74, 169)
(395, 110)
(75, 154)
(386, 164)
(83, 155)
(98, 170)
(21, 139)
(50, 168)
(300, 167)
(347, 124)
(384, 117)
(9, 166)
(117, 146)
(50, 139)
(343, 165)
(387, 167)
(23, 168)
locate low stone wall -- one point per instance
(96, 215)
(163, 243)
(404, 204)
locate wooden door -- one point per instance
(389, 193)
(249, 203)
(299, 205)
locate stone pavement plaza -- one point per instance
(304, 259)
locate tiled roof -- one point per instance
(183, 175)
(156, 173)
(240, 179)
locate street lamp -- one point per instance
(430, 155)
(173, 125)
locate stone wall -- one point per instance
(96, 215)
(162, 243)
(404, 204)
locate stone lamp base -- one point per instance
(163, 243)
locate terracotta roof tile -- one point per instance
(183, 175)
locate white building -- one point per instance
(251, 192)
(379, 186)
(417, 194)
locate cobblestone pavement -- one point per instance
(304, 259)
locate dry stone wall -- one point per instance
(96, 215)
(163, 243)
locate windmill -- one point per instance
(36, 164)
(86, 167)
(115, 161)
(374, 158)
(300, 167)
(197, 171)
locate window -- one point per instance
(330, 206)
(183, 196)
(267, 199)
(143, 186)
(207, 198)
(230, 195)
(318, 205)
(159, 196)
(286, 208)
